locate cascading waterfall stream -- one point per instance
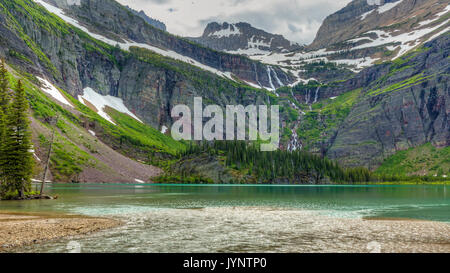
(317, 95)
(276, 77)
(270, 78)
(256, 75)
(307, 96)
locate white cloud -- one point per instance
(297, 20)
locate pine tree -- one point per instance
(4, 82)
(19, 160)
(4, 103)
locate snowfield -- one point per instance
(407, 41)
(54, 92)
(294, 60)
(125, 45)
(100, 102)
(226, 32)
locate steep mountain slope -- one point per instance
(112, 23)
(394, 106)
(364, 33)
(127, 76)
(393, 16)
(242, 38)
(118, 92)
(80, 150)
(153, 22)
(149, 84)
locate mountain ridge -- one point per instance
(242, 38)
(99, 18)
(355, 117)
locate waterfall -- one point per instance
(307, 96)
(276, 77)
(256, 75)
(317, 95)
(270, 78)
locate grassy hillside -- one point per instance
(324, 119)
(422, 160)
(75, 148)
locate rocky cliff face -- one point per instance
(361, 16)
(153, 22)
(402, 104)
(367, 32)
(244, 39)
(149, 84)
(114, 21)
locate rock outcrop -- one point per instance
(244, 39)
(361, 16)
(153, 22)
(115, 21)
(403, 105)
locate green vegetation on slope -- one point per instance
(143, 135)
(325, 118)
(422, 160)
(297, 167)
(69, 157)
(39, 16)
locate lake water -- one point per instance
(189, 218)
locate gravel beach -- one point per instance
(19, 229)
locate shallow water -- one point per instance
(185, 218)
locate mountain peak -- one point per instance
(243, 38)
(149, 20)
(363, 16)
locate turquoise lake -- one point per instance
(247, 218)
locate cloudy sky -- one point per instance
(297, 20)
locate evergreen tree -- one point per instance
(4, 103)
(17, 145)
(4, 82)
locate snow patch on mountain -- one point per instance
(364, 15)
(382, 9)
(53, 91)
(406, 40)
(447, 9)
(388, 6)
(100, 102)
(373, 2)
(437, 16)
(127, 44)
(227, 32)
(74, 2)
(254, 42)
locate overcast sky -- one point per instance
(297, 20)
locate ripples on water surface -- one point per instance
(254, 218)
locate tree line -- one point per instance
(270, 167)
(16, 156)
(294, 167)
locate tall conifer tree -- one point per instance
(4, 103)
(19, 158)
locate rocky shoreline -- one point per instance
(21, 229)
